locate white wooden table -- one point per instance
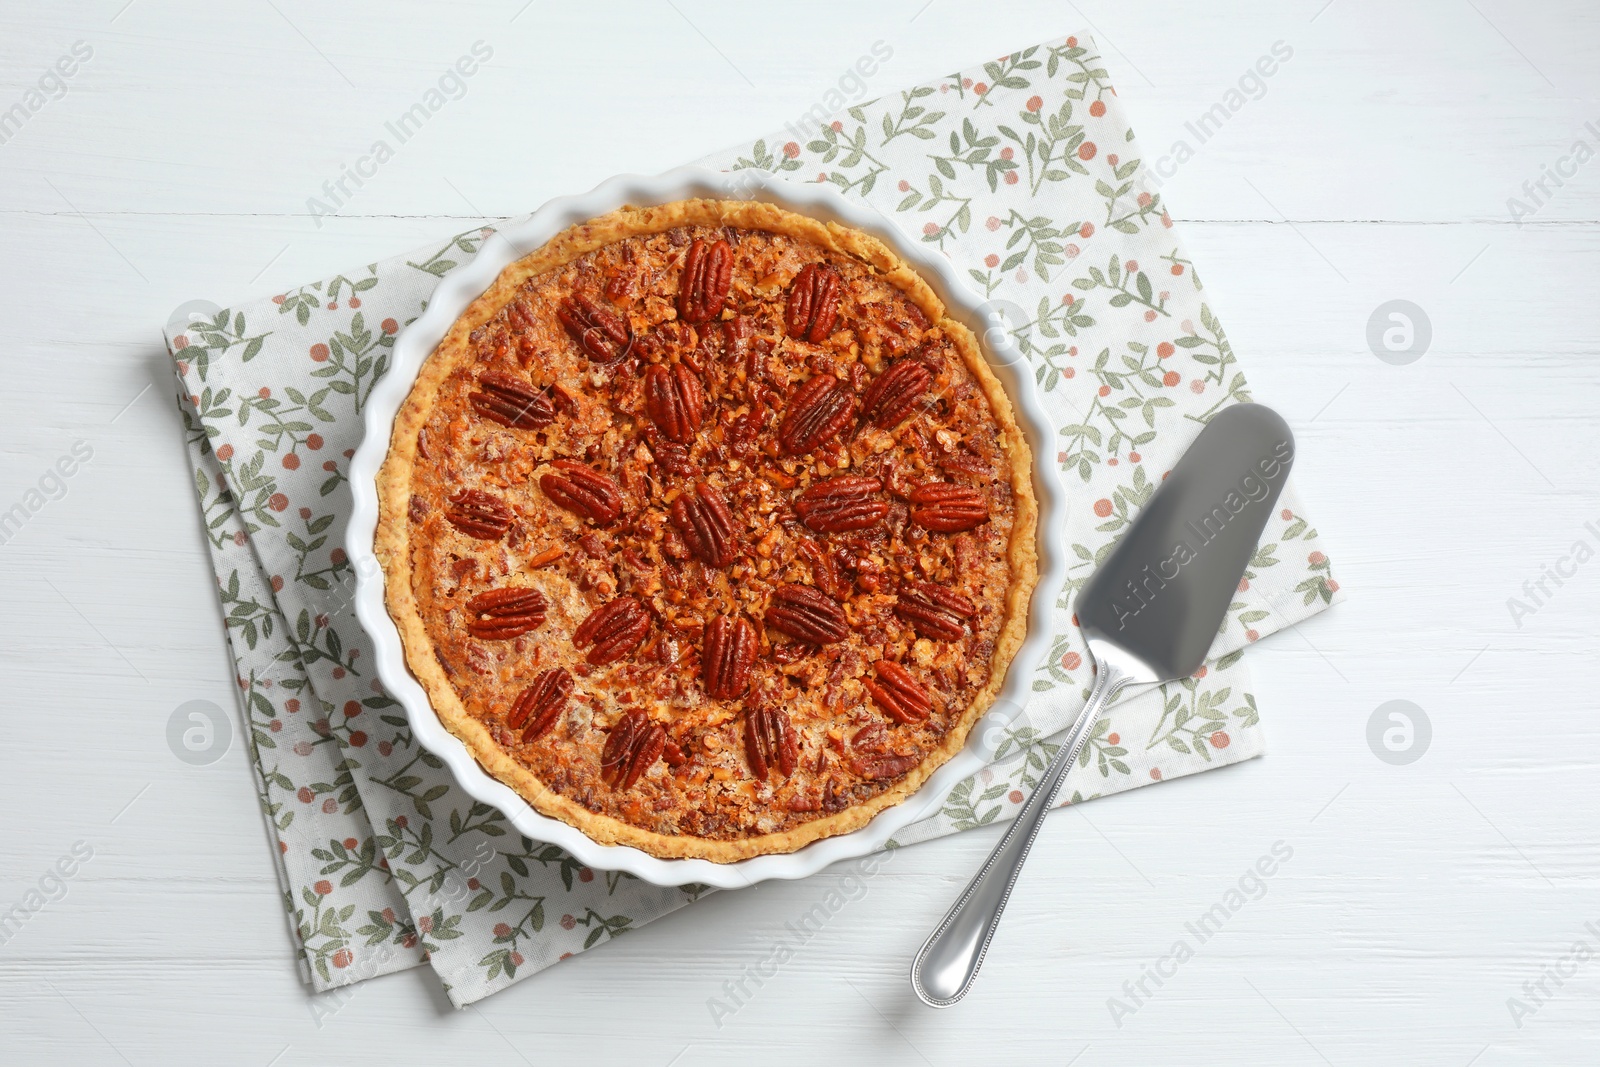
(1377, 165)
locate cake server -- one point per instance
(1148, 614)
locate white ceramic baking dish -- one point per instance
(458, 289)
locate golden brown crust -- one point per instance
(399, 557)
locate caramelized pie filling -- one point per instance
(711, 530)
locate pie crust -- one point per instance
(821, 711)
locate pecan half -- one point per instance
(827, 571)
(876, 768)
(934, 611)
(945, 507)
(479, 514)
(898, 693)
(634, 745)
(966, 463)
(539, 706)
(870, 738)
(813, 305)
(728, 656)
(703, 288)
(743, 432)
(844, 502)
(894, 393)
(583, 491)
(737, 350)
(614, 631)
(602, 335)
(770, 741)
(503, 613)
(671, 457)
(706, 525)
(674, 400)
(818, 410)
(807, 615)
(511, 402)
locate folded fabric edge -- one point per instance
(201, 457)
(302, 966)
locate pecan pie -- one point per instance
(707, 530)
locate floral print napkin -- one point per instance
(1022, 171)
